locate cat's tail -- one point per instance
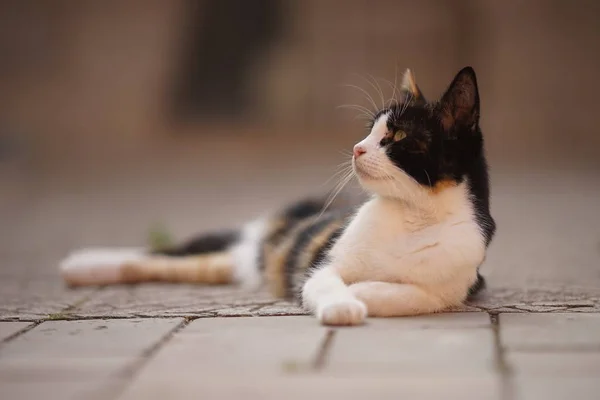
(235, 256)
(215, 258)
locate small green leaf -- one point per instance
(159, 238)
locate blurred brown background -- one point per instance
(115, 115)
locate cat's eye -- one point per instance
(399, 136)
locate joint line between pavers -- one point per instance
(64, 313)
(20, 332)
(129, 373)
(324, 350)
(507, 387)
(83, 300)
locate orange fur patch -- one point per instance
(212, 268)
(442, 185)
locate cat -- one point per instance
(414, 247)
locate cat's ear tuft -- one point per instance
(460, 103)
(410, 90)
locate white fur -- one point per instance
(326, 295)
(407, 251)
(371, 142)
(246, 252)
(94, 266)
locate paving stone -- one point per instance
(151, 300)
(76, 359)
(504, 310)
(88, 390)
(281, 309)
(501, 298)
(435, 321)
(236, 311)
(566, 303)
(88, 339)
(550, 331)
(251, 345)
(8, 329)
(36, 299)
(554, 364)
(224, 357)
(439, 345)
(190, 385)
(557, 388)
(66, 369)
(532, 308)
(465, 308)
(582, 309)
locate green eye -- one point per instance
(399, 136)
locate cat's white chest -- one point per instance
(379, 223)
(377, 242)
(378, 227)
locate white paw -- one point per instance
(342, 312)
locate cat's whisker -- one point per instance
(340, 186)
(378, 88)
(340, 169)
(394, 88)
(363, 110)
(356, 107)
(342, 173)
(428, 178)
(395, 84)
(348, 154)
(343, 168)
(407, 101)
(368, 96)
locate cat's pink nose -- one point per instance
(359, 151)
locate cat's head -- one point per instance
(416, 145)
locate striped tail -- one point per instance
(91, 267)
(204, 260)
(279, 250)
(238, 256)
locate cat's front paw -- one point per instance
(342, 312)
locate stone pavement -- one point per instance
(534, 335)
(467, 355)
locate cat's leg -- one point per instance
(385, 299)
(331, 300)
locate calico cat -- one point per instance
(414, 247)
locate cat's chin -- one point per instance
(366, 176)
(373, 185)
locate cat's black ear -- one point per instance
(409, 90)
(459, 106)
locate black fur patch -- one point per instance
(321, 253)
(208, 243)
(477, 287)
(304, 209)
(286, 221)
(302, 241)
